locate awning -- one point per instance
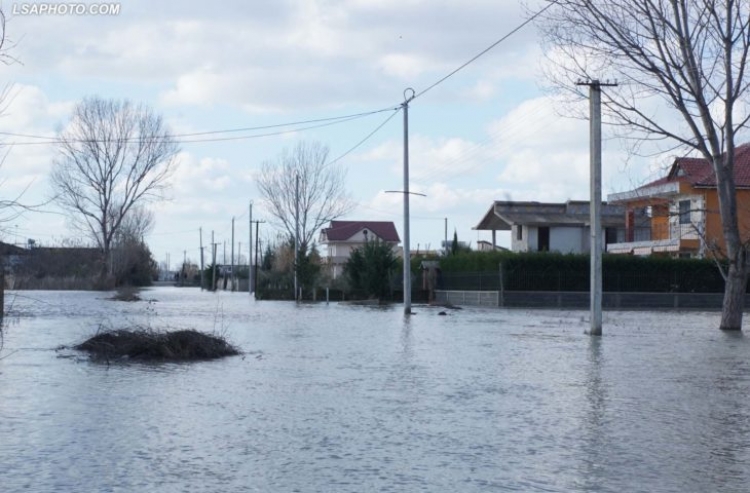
(667, 248)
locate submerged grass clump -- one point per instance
(145, 344)
(126, 294)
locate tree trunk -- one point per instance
(736, 279)
(734, 297)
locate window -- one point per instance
(519, 232)
(684, 212)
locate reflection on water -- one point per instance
(343, 398)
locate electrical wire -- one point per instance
(193, 141)
(367, 137)
(490, 47)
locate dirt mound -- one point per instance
(150, 345)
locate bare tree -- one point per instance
(322, 194)
(681, 66)
(137, 223)
(10, 208)
(114, 155)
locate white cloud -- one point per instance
(200, 176)
(305, 53)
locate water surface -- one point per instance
(344, 398)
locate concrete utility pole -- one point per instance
(407, 247)
(213, 259)
(445, 244)
(595, 205)
(200, 232)
(231, 276)
(296, 233)
(250, 287)
(257, 239)
(257, 249)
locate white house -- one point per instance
(343, 237)
(537, 226)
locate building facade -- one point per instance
(678, 214)
(555, 227)
(341, 238)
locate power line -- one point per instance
(367, 137)
(185, 138)
(474, 58)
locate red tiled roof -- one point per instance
(343, 230)
(699, 172)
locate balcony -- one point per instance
(658, 238)
(662, 191)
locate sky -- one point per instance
(492, 131)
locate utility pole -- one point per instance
(183, 272)
(595, 205)
(445, 243)
(200, 232)
(296, 232)
(213, 246)
(257, 239)
(231, 275)
(407, 247)
(250, 287)
(406, 193)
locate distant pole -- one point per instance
(213, 259)
(407, 247)
(296, 232)
(257, 237)
(200, 231)
(231, 275)
(184, 268)
(595, 208)
(224, 258)
(250, 286)
(445, 243)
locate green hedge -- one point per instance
(568, 272)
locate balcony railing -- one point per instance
(659, 232)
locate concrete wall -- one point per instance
(580, 300)
(469, 298)
(563, 239)
(521, 245)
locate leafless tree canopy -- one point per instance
(10, 207)
(322, 192)
(689, 54)
(114, 156)
(681, 66)
(137, 223)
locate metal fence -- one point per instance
(702, 281)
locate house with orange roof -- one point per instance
(678, 214)
(343, 237)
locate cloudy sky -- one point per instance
(489, 132)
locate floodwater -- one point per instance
(334, 398)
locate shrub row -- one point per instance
(569, 272)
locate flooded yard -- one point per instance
(354, 399)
